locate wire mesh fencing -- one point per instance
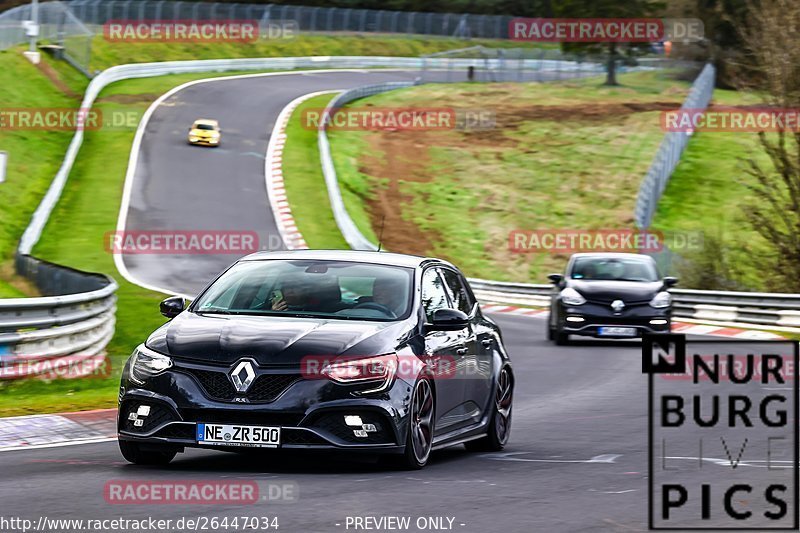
(58, 26)
(670, 151)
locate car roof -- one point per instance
(207, 121)
(356, 256)
(611, 255)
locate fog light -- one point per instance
(574, 319)
(369, 428)
(359, 433)
(144, 410)
(658, 322)
(353, 420)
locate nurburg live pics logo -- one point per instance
(722, 433)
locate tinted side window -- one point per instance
(458, 292)
(434, 296)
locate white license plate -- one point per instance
(616, 332)
(229, 435)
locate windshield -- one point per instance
(203, 127)
(311, 288)
(616, 268)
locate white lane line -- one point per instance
(512, 456)
(130, 175)
(94, 440)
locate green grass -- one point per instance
(467, 190)
(91, 202)
(707, 193)
(106, 53)
(34, 157)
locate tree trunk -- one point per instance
(611, 71)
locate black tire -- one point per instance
(419, 439)
(551, 332)
(133, 453)
(500, 425)
(561, 338)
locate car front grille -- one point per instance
(266, 387)
(244, 417)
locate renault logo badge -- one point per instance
(242, 376)
(617, 305)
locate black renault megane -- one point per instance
(611, 295)
(355, 351)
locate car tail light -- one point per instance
(380, 369)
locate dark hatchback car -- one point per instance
(355, 351)
(609, 295)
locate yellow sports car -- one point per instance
(205, 131)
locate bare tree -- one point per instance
(773, 54)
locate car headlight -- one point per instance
(145, 363)
(661, 300)
(380, 369)
(572, 297)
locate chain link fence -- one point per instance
(670, 151)
(308, 19)
(58, 27)
(526, 64)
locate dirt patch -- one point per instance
(129, 98)
(8, 274)
(56, 80)
(509, 118)
(405, 159)
(403, 156)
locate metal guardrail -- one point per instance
(73, 322)
(670, 151)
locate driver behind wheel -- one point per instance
(388, 292)
(295, 295)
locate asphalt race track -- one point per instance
(577, 458)
(182, 187)
(571, 405)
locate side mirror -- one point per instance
(555, 279)
(172, 307)
(448, 320)
(670, 281)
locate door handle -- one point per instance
(487, 342)
(462, 351)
